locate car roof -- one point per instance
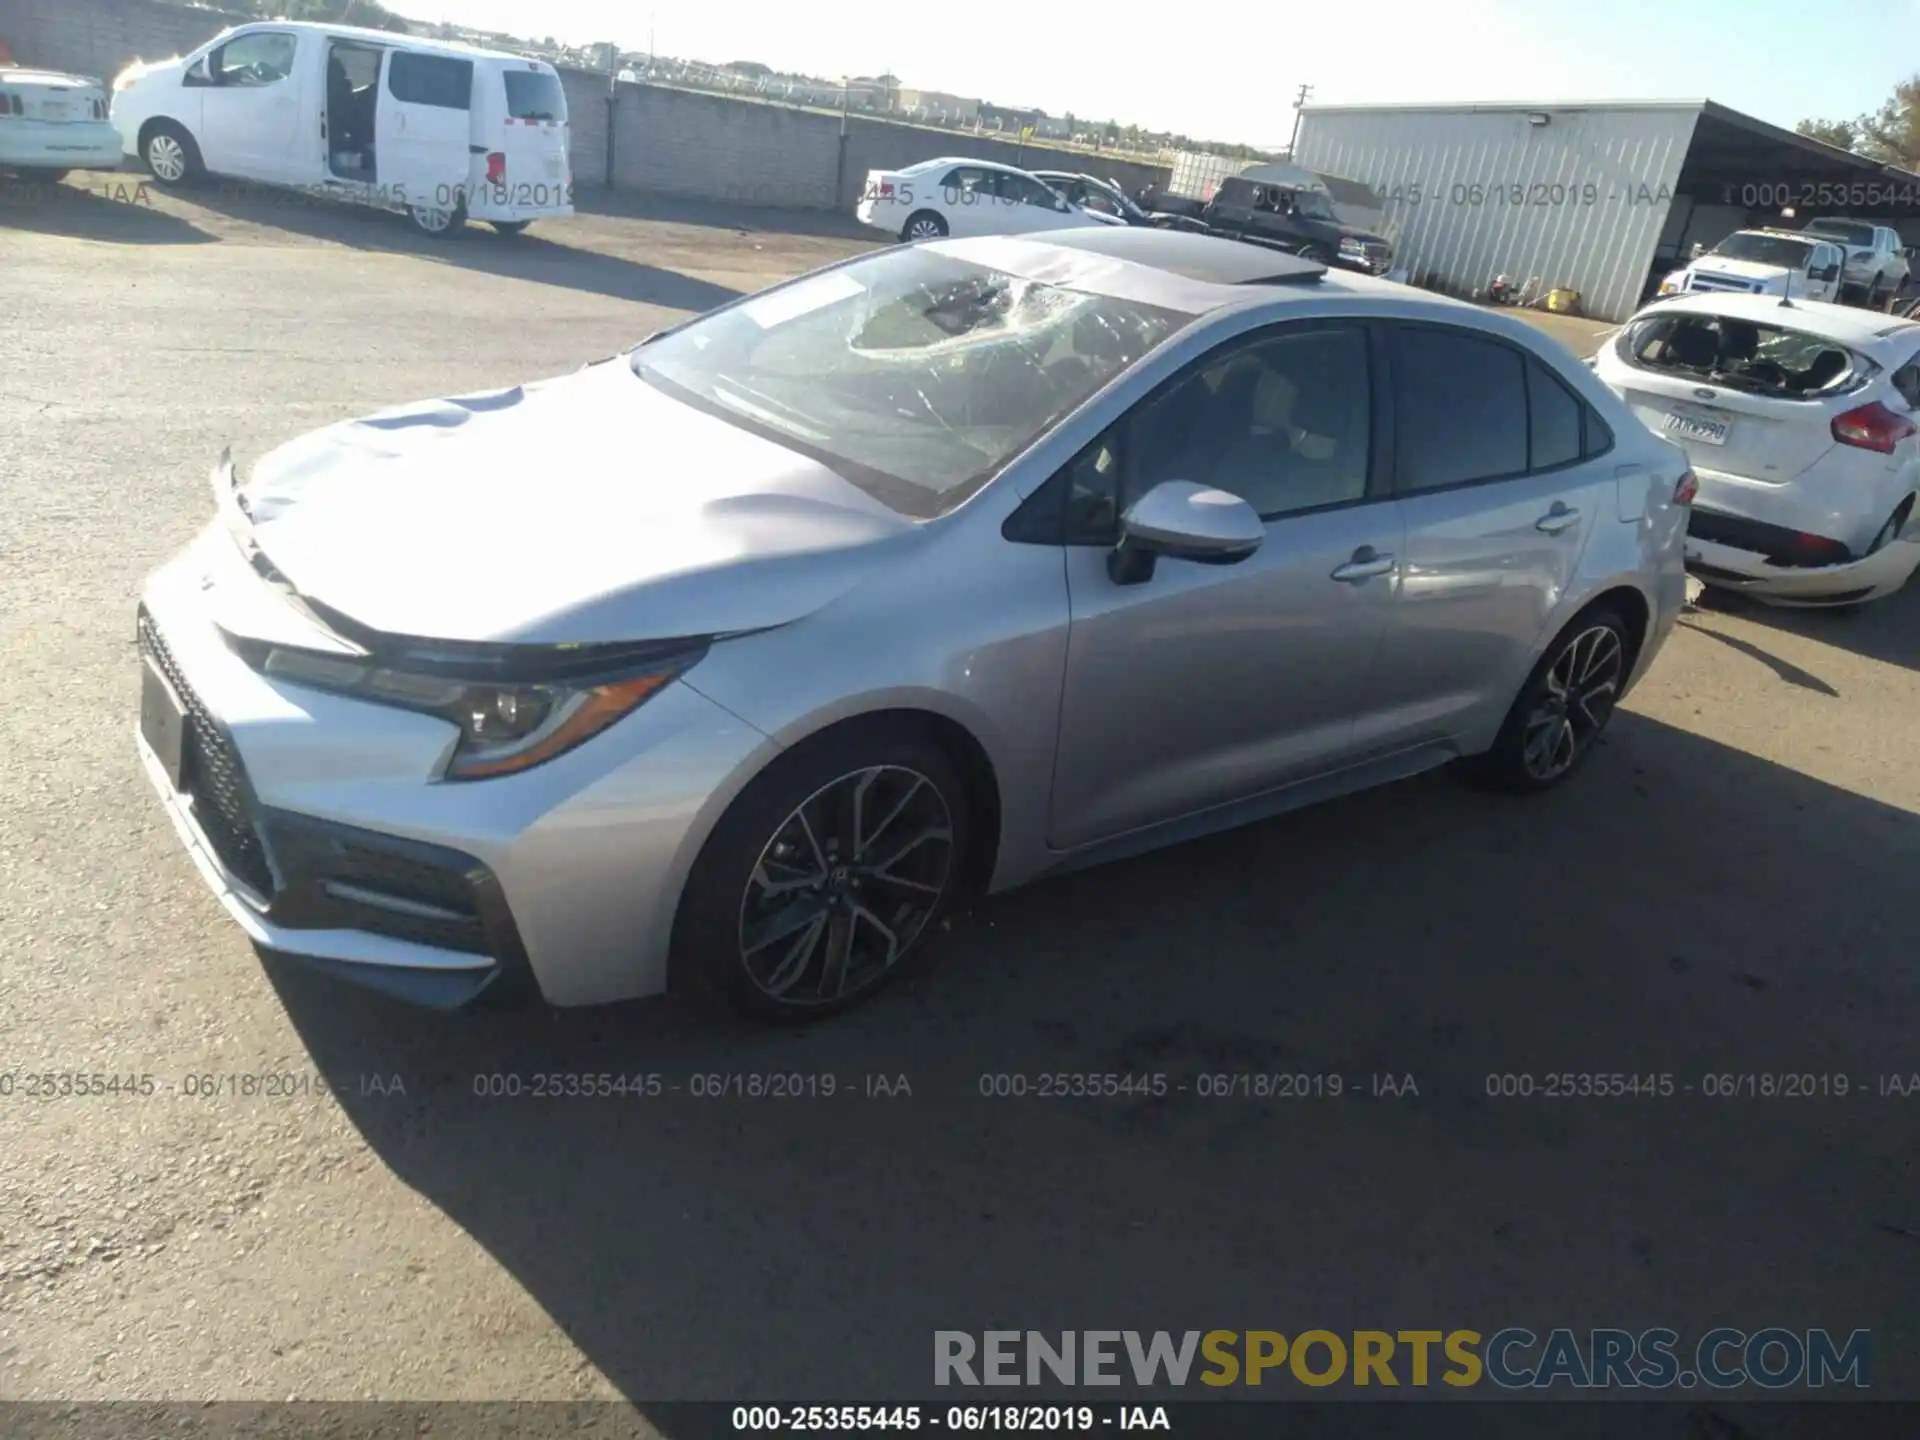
(935, 164)
(21, 75)
(1864, 330)
(1207, 258)
(1195, 274)
(416, 43)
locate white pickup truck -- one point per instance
(1764, 262)
(1875, 265)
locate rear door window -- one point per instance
(1553, 421)
(439, 80)
(534, 95)
(1460, 406)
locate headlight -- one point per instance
(127, 76)
(505, 726)
(1352, 247)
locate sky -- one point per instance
(1227, 69)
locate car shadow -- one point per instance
(111, 206)
(529, 256)
(1329, 1000)
(1887, 630)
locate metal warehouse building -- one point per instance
(1591, 197)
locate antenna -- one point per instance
(1786, 292)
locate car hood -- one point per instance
(1740, 269)
(587, 509)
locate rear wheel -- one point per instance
(923, 225)
(1564, 706)
(438, 221)
(1877, 296)
(510, 227)
(170, 154)
(823, 878)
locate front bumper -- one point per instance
(318, 821)
(60, 145)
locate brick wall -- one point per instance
(675, 142)
(102, 37)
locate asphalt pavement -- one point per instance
(1727, 891)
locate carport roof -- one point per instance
(1728, 147)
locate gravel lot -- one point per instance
(1727, 889)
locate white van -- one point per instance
(441, 133)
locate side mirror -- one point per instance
(1825, 272)
(1183, 521)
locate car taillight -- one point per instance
(1687, 489)
(9, 105)
(886, 189)
(1873, 427)
(496, 168)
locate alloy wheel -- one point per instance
(167, 158)
(925, 228)
(845, 885)
(1575, 697)
(432, 219)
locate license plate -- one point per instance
(163, 723)
(1694, 427)
(553, 165)
(57, 109)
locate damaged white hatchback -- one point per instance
(1802, 420)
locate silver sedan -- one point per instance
(729, 664)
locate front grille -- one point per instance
(1719, 282)
(214, 777)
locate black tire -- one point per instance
(510, 227)
(1318, 254)
(171, 155)
(1511, 763)
(930, 224)
(437, 223)
(740, 882)
(40, 175)
(1871, 300)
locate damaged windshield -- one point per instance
(911, 374)
(1743, 355)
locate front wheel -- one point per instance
(438, 221)
(824, 877)
(171, 155)
(1317, 254)
(1563, 708)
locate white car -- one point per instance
(51, 123)
(1763, 262)
(439, 132)
(966, 197)
(1801, 421)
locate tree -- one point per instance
(1841, 134)
(1892, 133)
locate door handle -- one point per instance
(1560, 517)
(1365, 565)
